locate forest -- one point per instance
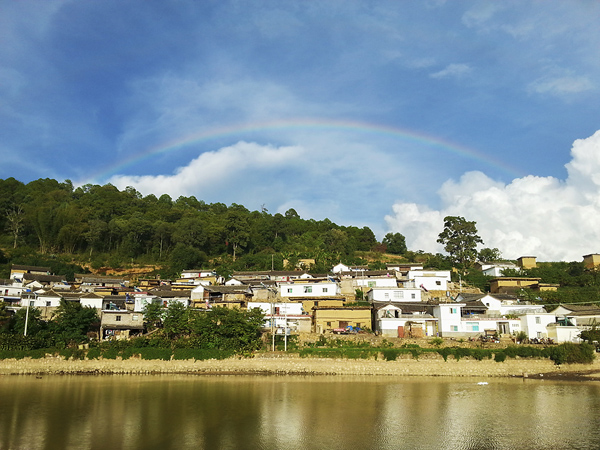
(51, 223)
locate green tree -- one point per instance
(153, 315)
(229, 329)
(237, 230)
(35, 324)
(72, 321)
(395, 243)
(460, 240)
(176, 320)
(489, 255)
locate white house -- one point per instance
(309, 289)
(389, 321)
(563, 333)
(387, 281)
(431, 280)
(91, 300)
(198, 273)
(535, 324)
(496, 269)
(450, 319)
(284, 316)
(394, 294)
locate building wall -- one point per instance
(535, 325)
(395, 294)
(308, 289)
(449, 316)
(591, 261)
(430, 280)
(329, 319)
(527, 262)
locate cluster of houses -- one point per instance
(405, 300)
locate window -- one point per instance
(453, 327)
(452, 310)
(31, 303)
(307, 289)
(289, 290)
(48, 303)
(135, 317)
(328, 324)
(538, 320)
(386, 295)
(398, 294)
(324, 290)
(117, 318)
(371, 284)
(438, 282)
(472, 326)
(413, 295)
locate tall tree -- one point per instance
(395, 243)
(460, 240)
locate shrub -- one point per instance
(391, 354)
(570, 353)
(94, 353)
(437, 341)
(445, 352)
(500, 357)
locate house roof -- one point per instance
(580, 309)
(228, 289)
(43, 278)
(34, 268)
(167, 293)
(345, 308)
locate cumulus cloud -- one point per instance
(542, 216)
(452, 71)
(213, 171)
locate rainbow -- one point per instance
(238, 131)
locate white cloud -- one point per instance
(212, 172)
(452, 71)
(561, 86)
(481, 13)
(541, 216)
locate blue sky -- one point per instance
(385, 114)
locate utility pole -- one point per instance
(26, 319)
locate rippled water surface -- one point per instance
(244, 412)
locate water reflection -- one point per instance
(229, 412)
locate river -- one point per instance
(295, 412)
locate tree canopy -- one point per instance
(460, 240)
(103, 226)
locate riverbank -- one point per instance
(282, 364)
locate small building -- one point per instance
(121, 324)
(328, 319)
(430, 280)
(46, 300)
(390, 320)
(527, 262)
(510, 285)
(225, 296)
(591, 261)
(284, 316)
(17, 271)
(396, 294)
(307, 288)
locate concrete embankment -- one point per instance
(432, 365)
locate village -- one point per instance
(403, 301)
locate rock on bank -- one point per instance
(293, 365)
